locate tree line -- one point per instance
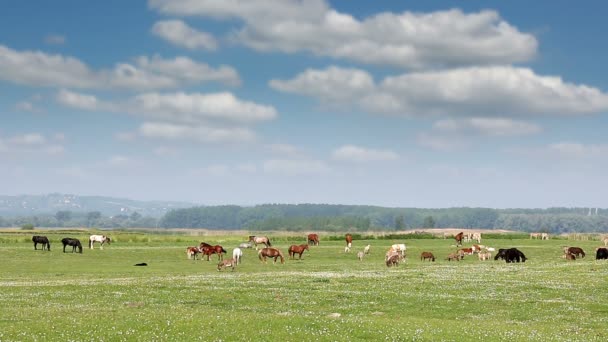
(325, 217)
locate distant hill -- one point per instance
(26, 205)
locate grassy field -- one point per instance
(327, 296)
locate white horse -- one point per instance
(399, 248)
(366, 249)
(237, 254)
(99, 238)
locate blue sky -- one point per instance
(425, 104)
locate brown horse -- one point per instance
(192, 252)
(226, 263)
(393, 260)
(577, 251)
(349, 240)
(427, 255)
(458, 238)
(217, 249)
(295, 249)
(272, 253)
(453, 256)
(313, 239)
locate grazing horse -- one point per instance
(36, 239)
(294, 249)
(98, 238)
(75, 243)
(226, 263)
(576, 251)
(349, 240)
(272, 253)
(427, 255)
(393, 260)
(192, 252)
(217, 249)
(313, 239)
(237, 255)
(458, 239)
(260, 239)
(601, 253)
(453, 256)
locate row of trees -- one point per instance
(335, 218)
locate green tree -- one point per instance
(429, 222)
(93, 216)
(135, 216)
(399, 222)
(63, 215)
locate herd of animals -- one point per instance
(395, 254)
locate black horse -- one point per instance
(42, 240)
(501, 254)
(510, 255)
(72, 242)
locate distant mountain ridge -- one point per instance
(108, 206)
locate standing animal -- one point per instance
(476, 237)
(514, 255)
(544, 236)
(606, 241)
(217, 249)
(360, 256)
(313, 239)
(192, 252)
(260, 240)
(427, 255)
(601, 253)
(465, 251)
(75, 243)
(484, 256)
(349, 240)
(226, 263)
(36, 239)
(576, 251)
(399, 248)
(453, 257)
(272, 253)
(237, 255)
(534, 236)
(366, 249)
(98, 238)
(295, 249)
(393, 260)
(458, 237)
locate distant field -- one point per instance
(327, 296)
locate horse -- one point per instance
(576, 251)
(393, 260)
(260, 239)
(217, 249)
(294, 249)
(98, 238)
(399, 248)
(226, 263)
(203, 245)
(544, 236)
(237, 255)
(75, 243)
(501, 254)
(453, 256)
(601, 253)
(272, 253)
(458, 239)
(569, 256)
(349, 240)
(313, 239)
(36, 239)
(427, 255)
(476, 237)
(366, 249)
(192, 252)
(514, 255)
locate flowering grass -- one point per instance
(327, 296)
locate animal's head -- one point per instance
(108, 240)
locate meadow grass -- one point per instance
(327, 296)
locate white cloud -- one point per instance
(80, 101)
(352, 153)
(285, 149)
(295, 167)
(200, 133)
(25, 106)
(475, 91)
(486, 126)
(179, 33)
(36, 68)
(31, 143)
(30, 139)
(164, 151)
(563, 150)
(408, 39)
(441, 142)
(55, 39)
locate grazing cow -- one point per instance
(393, 260)
(484, 256)
(576, 251)
(465, 251)
(601, 253)
(514, 255)
(226, 263)
(360, 256)
(192, 252)
(476, 248)
(237, 255)
(427, 255)
(313, 239)
(453, 256)
(366, 249)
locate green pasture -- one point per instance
(328, 296)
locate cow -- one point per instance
(576, 251)
(514, 255)
(601, 253)
(453, 256)
(501, 254)
(484, 255)
(477, 237)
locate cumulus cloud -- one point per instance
(472, 91)
(407, 39)
(179, 33)
(36, 68)
(30, 143)
(80, 101)
(352, 153)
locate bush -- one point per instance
(28, 226)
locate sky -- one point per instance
(403, 104)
